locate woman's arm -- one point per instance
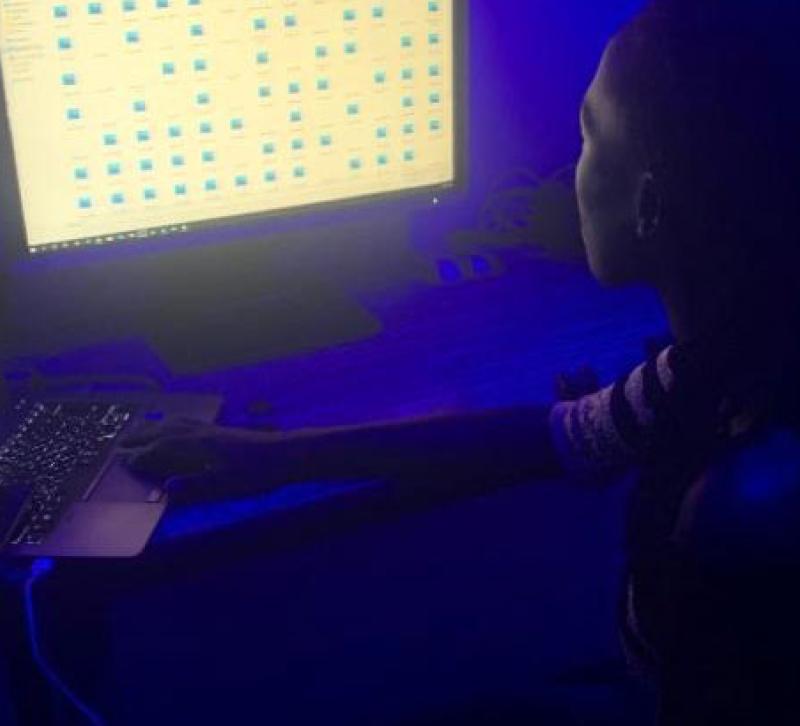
(486, 449)
(593, 438)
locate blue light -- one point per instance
(449, 271)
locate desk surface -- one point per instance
(468, 607)
(495, 341)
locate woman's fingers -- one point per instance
(173, 456)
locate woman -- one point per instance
(686, 182)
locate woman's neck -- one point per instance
(694, 307)
(749, 315)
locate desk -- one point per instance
(369, 607)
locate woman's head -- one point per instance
(690, 163)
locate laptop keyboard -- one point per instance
(56, 450)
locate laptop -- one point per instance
(64, 488)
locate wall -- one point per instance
(532, 62)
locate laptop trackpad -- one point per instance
(99, 529)
(118, 484)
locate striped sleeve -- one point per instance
(612, 429)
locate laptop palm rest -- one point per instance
(116, 521)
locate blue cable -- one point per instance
(39, 568)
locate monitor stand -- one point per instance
(211, 306)
(250, 329)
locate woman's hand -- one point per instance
(204, 460)
(178, 448)
(192, 457)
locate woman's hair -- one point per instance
(709, 89)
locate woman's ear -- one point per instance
(649, 206)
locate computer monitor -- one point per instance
(128, 120)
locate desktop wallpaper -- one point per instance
(137, 117)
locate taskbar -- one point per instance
(132, 235)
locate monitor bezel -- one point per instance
(13, 237)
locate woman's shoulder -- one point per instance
(746, 504)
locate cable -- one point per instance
(40, 568)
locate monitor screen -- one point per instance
(128, 119)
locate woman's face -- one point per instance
(609, 184)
